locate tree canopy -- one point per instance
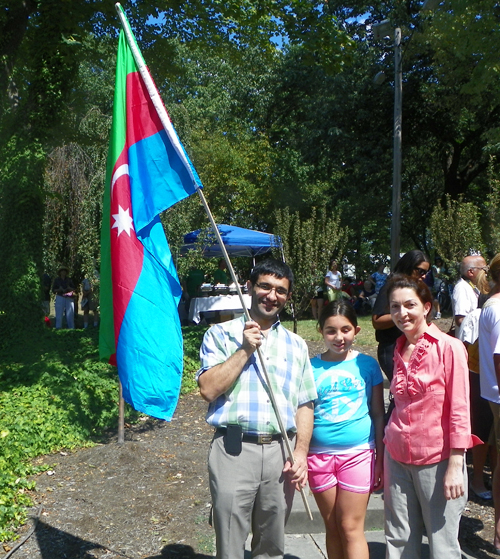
(275, 102)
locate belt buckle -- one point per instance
(264, 439)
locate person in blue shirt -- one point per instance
(379, 278)
(345, 460)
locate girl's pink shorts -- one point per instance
(352, 472)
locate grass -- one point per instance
(307, 329)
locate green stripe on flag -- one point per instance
(124, 64)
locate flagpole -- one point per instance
(169, 129)
(121, 415)
(154, 94)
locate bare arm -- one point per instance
(219, 379)
(459, 319)
(453, 481)
(496, 363)
(382, 322)
(329, 283)
(377, 414)
(304, 418)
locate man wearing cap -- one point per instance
(63, 288)
(251, 481)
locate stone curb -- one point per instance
(299, 522)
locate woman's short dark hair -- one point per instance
(402, 281)
(338, 308)
(272, 267)
(409, 261)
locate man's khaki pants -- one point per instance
(249, 492)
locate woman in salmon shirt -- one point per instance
(428, 432)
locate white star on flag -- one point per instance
(123, 221)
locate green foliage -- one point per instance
(21, 164)
(467, 31)
(55, 394)
(456, 231)
(192, 336)
(73, 211)
(309, 244)
(492, 214)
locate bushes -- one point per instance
(192, 336)
(54, 394)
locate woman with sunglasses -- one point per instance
(416, 265)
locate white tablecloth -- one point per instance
(218, 303)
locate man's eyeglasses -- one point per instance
(421, 272)
(267, 288)
(484, 268)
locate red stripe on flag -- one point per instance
(127, 252)
(142, 119)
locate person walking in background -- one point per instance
(438, 272)
(489, 358)
(345, 458)
(193, 282)
(220, 275)
(415, 264)
(64, 290)
(317, 302)
(428, 432)
(251, 485)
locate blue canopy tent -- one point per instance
(238, 241)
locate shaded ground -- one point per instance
(149, 498)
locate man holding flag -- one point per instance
(247, 455)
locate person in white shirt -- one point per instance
(466, 291)
(333, 282)
(489, 358)
(465, 304)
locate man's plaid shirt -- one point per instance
(247, 402)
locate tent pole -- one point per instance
(267, 384)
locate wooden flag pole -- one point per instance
(121, 416)
(169, 129)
